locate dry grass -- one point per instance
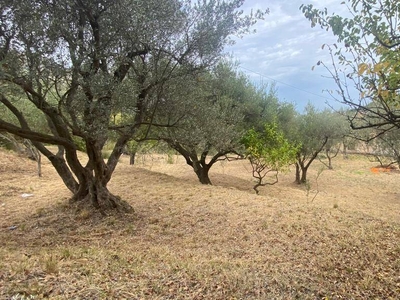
(187, 241)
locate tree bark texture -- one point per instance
(202, 172)
(132, 157)
(301, 172)
(302, 164)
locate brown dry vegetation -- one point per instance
(187, 241)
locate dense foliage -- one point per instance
(79, 63)
(269, 153)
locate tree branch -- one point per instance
(35, 136)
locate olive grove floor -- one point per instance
(336, 238)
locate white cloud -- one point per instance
(285, 48)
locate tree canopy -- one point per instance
(79, 62)
(269, 153)
(206, 116)
(314, 130)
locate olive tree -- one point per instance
(76, 61)
(314, 129)
(339, 136)
(205, 117)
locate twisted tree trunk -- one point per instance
(202, 172)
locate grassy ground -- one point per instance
(337, 239)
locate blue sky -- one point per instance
(285, 48)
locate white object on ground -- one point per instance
(24, 195)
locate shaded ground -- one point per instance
(338, 239)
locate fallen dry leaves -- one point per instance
(187, 241)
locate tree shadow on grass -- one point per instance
(67, 223)
(230, 181)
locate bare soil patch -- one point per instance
(338, 238)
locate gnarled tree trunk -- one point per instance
(202, 172)
(304, 161)
(93, 192)
(301, 172)
(89, 185)
(198, 162)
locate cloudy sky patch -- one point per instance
(285, 48)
